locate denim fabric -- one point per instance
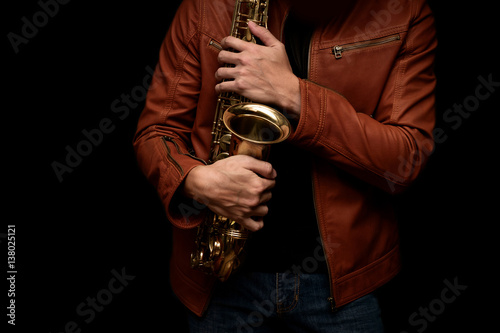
(284, 302)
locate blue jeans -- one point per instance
(284, 302)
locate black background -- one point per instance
(104, 215)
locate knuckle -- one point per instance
(246, 211)
(256, 202)
(252, 202)
(243, 59)
(258, 186)
(242, 72)
(263, 187)
(219, 88)
(239, 85)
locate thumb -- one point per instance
(262, 33)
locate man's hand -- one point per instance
(261, 73)
(237, 187)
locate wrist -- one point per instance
(292, 102)
(191, 185)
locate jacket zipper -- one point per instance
(338, 50)
(330, 299)
(213, 43)
(309, 57)
(176, 164)
(169, 154)
(283, 25)
(189, 154)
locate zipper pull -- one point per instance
(337, 51)
(332, 304)
(215, 44)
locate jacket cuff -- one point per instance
(310, 124)
(183, 212)
(166, 163)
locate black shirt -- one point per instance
(290, 236)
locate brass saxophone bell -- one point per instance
(255, 127)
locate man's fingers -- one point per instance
(227, 86)
(227, 57)
(242, 190)
(262, 33)
(234, 43)
(266, 197)
(262, 168)
(224, 73)
(252, 224)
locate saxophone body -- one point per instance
(240, 127)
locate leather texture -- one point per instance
(367, 117)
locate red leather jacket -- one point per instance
(367, 116)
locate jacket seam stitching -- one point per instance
(373, 265)
(363, 292)
(187, 279)
(179, 70)
(302, 123)
(401, 64)
(335, 147)
(321, 116)
(365, 270)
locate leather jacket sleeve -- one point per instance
(162, 141)
(389, 148)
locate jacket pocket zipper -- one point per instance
(213, 43)
(338, 50)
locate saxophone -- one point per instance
(240, 127)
